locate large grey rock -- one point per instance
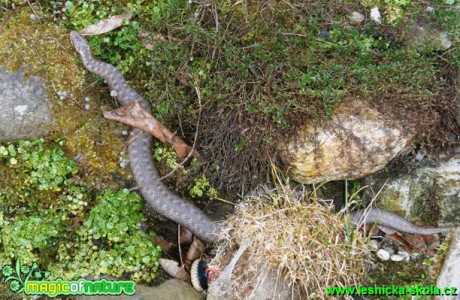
(172, 289)
(428, 194)
(358, 141)
(450, 273)
(25, 109)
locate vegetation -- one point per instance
(290, 250)
(246, 75)
(108, 242)
(239, 75)
(261, 70)
(44, 218)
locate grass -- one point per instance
(262, 70)
(302, 241)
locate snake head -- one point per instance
(80, 44)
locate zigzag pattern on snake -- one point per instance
(147, 178)
(166, 203)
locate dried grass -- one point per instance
(305, 244)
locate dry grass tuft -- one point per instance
(304, 244)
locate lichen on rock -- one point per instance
(356, 142)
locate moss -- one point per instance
(438, 262)
(49, 211)
(40, 49)
(44, 49)
(392, 201)
(405, 274)
(44, 219)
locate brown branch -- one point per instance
(136, 116)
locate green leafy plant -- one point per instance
(43, 218)
(121, 47)
(109, 241)
(165, 154)
(202, 187)
(48, 168)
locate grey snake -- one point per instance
(160, 198)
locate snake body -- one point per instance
(166, 203)
(155, 193)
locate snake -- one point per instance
(168, 204)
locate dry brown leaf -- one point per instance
(173, 269)
(185, 237)
(136, 116)
(105, 25)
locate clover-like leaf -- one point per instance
(25, 269)
(15, 285)
(7, 270)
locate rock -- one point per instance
(389, 250)
(375, 15)
(420, 34)
(404, 254)
(450, 272)
(323, 34)
(397, 257)
(428, 194)
(171, 289)
(356, 17)
(25, 110)
(383, 254)
(357, 141)
(273, 287)
(374, 245)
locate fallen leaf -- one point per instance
(196, 249)
(400, 240)
(173, 269)
(136, 116)
(105, 25)
(186, 237)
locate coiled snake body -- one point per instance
(157, 194)
(140, 155)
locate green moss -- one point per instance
(44, 49)
(40, 49)
(405, 274)
(44, 218)
(109, 241)
(33, 169)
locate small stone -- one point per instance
(356, 17)
(396, 257)
(389, 250)
(87, 99)
(375, 15)
(430, 9)
(87, 106)
(124, 132)
(123, 164)
(374, 245)
(34, 17)
(113, 93)
(383, 255)
(404, 254)
(323, 34)
(419, 156)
